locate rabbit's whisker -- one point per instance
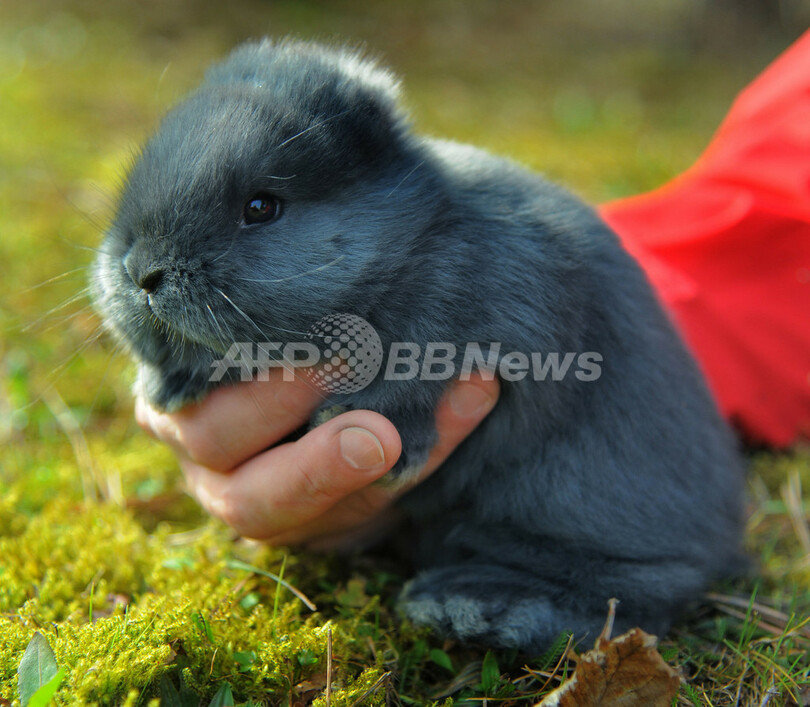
(313, 127)
(302, 274)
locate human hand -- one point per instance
(317, 491)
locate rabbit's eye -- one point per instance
(261, 208)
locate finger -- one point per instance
(341, 528)
(459, 412)
(234, 423)
(290, 485)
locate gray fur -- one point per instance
(570, 492)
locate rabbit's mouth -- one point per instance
(187, 332)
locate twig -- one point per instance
(73, 431)
(740, 684)
(556, 668)
(792, 495)
(745, 603)
(371, 690)
(467, 676)
(213, 658)
(329, 667)
(772, 692)
(767, 627)
(780, 620)
(239, 565)
(611, 617)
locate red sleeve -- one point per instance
(727, 247)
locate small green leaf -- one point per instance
(418, 650)
(354, 595)
(177, 563)
(149, 488)
(223, 698)
(490, 673)
(169, 697)
(441, 658)
(307, 657)
(249, 601)
(37, 667)
(245, 659)
(44, 695)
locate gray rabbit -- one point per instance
(289, 187)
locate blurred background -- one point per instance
(609, 97)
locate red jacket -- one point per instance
(727, 246)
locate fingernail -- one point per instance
(145, 414)
(162, 425)
(360, 448)
(142, 412)
(469, 400)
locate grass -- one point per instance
(140, 595)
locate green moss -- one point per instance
(163, 605)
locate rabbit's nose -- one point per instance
(146, 278)
(150, 281)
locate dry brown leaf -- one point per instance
(307, 690)
(627, 671)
